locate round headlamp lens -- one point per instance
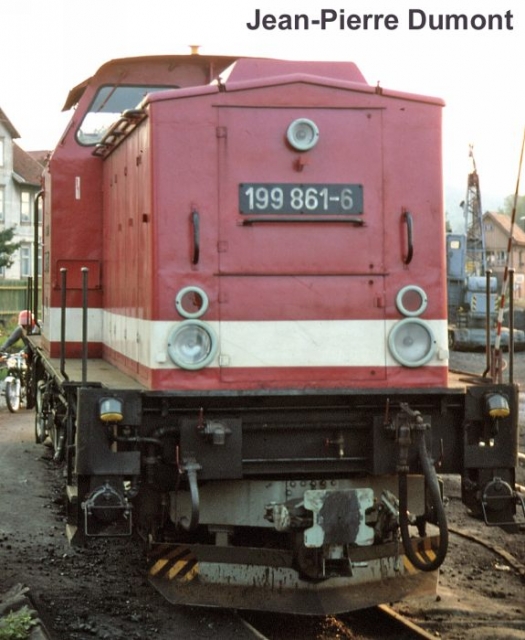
(302, 134)
(412, 342)
(192, 345)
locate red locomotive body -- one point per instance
(250, 260)
(279, 278)
(75, 223)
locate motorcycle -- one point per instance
(15, 381)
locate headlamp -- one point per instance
(302, 134)
(412, 342)
(192, 345)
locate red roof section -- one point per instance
(26, 167)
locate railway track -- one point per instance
(368, 624)
(405, 621)
(498, 550)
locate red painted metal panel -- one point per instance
(74, 273)
(307, 378)
(185, 184)
(302, 297)
(349, 151)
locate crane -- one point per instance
(476, 254)
(470, 305)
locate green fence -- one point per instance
(13, 298)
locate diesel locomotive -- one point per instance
(243, 359)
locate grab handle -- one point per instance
(409, 222)
(195, 221)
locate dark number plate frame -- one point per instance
(263, 198)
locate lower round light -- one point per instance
(412, 342)
(192, 345)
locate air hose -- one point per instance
(435, 498)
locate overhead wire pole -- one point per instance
(504, 285)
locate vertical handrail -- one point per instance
(511, 325)
(39, 196)
(85, 274)
(63, 290)
(488, 346)
(29, 301)
(504, 285)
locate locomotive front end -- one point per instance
(274, 294)
(292, 305)
(288, 203)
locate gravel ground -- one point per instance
(100, 591)
(475, 362)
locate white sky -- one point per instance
(49, 47)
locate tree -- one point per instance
(7, 247)
(509, 205)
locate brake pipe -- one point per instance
(431, 481)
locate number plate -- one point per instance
(345, 199)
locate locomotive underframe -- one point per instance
(224, 482)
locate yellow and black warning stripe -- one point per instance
(424, 549)
(173, 562)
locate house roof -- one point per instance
(8, 125)
(41, 156)
(504, 222)
(25, 168)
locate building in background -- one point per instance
(497, 231)
(20, 181)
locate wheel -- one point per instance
(29, 389)
(40, 416)
(12, 394)
(57, 440)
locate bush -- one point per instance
(17, 625)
